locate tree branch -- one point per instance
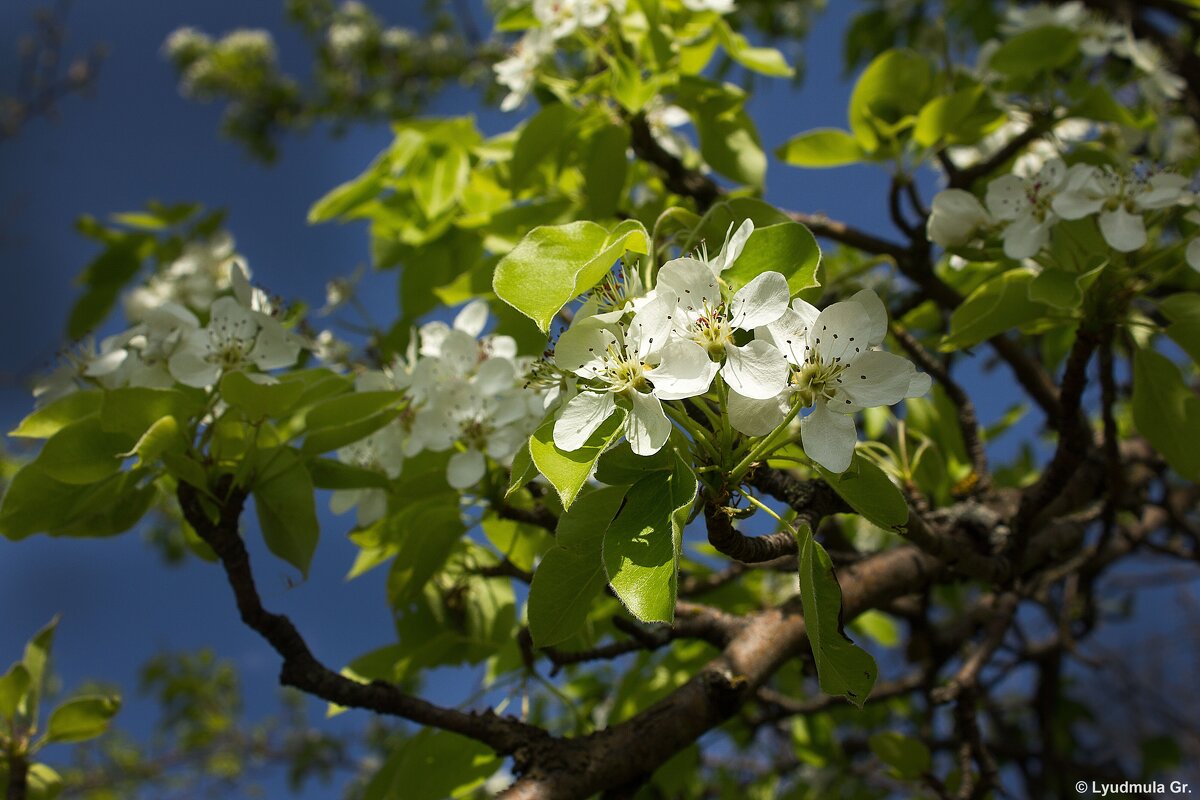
(300, 669)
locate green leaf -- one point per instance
(571, 574)
(1187, 335)
(34, 502)
(958, 118)
(163, 436)
(329, 474)
(58, 414)
(439, 178)
(786, 247)
(260, 400)
(825, 147)
(891, 90)
(36, 660)
(764, 60)
(1181, 306)
(1166, 411)
(998, 305)
(1037, 50)
(44, 782)
(132, 410)
(433, 765)
(541, 138)
(554, 264)
(83, 452)
(869, 491)
(104, 278)
(16, 681)
(427, 532)
(843, 668)
(604, 170)
(287, 514)
(346, 418)
(643, 543)
(908, 758)
(1056, 287)
(522, 472)
(82, 718)
(342, 201)
(569, 471)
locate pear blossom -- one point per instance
(235, 338)
(518, 72)
(719, 6)
(955, 217)
(1120, 201)
(640, 364)
(697, 311)
(203, 270)
(662, 119)
(837, 370)
(382, 452)
(1025, 205)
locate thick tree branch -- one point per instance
(301, 669)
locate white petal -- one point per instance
(919, 385)
(732, 247)
(106, 363)
(650, 327)
(789, 334)
(372, 506)
(1025, 237)
(275, 347)
(189, 368)
(757, 417)
(840, 332)
(955, 217)
(432, 335)
(581, 349)
(459, 352)
(1193, 254)
(807, 312)
(494, 376)
(828, 439)
(684, 371)
(342, 500)
(647, 427)
(465, 469)
(877, 312)
(1123, 231)
(241, 285)
(760, 302)
(1006, 198)
(473, 318)
(581, 417)
(876, 378)
(757, 370)
(692, 282)
(1162, 190)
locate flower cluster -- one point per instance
(1024, 210)
(772, 359)
(464, 390)
(169, 344)
(558, 20)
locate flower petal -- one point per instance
(828, 439)
(1123, 231)
(494, 376)
(1006, 198)
(876, 311)
(581, 417)
(472, 319)
(760, 302)
(876, 378)
(732, 247)
(582, 347)
(757, 370)
(684, 371)
(275, 347)
(789, 334)
(1025, 237)
(647, 427)
(757, 417)
(465, 469)
(840, 332)
(692, 282)
(650, 327)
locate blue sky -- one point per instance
(138, 139)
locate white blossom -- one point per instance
(955, 218)
(235, 338)
(518, 72)
(1025, 205)
(1119, 200)
(838, 371)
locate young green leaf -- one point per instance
(843, 668)
(82, 718)
(283, 498)
(568, 471)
